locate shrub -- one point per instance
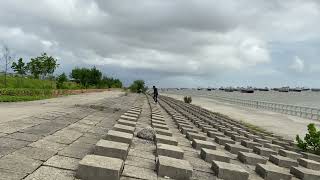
(187, 99)
(311, 142)
(138, 86)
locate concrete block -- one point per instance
(191, 136)
(134, 112)
(184, 130)
(119, 136)
(173, 168)
(235, 148)
(209, 155)
(170, 151)
(223, 129)
(261, 141)
(311, 156)
(124, 128)
(229, 133)
(131, 114)
(158, 122)
(224, 140)
(250, 136)
(99, 168)
(273, 146)
(304, 173)
(63, 162)
(111, 149)
(162, 139)
(251, 158)
(264, 151)
(308, 163)
(283, 161)
(229, 171)
(158, 118)
(127, 123)
(272, 172)
(214, 134)
(128, 118)
(238, 138)
(154, 115)
(163, 132)
(250, 144)
(206, 129)
(160, 126)
(280, 143)
(198, 144)
(290, 154)
(183, 125)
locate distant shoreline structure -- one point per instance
(249, 89)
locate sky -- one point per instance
(173, 43)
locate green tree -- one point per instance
(49, 64)
(60, 80)
(110, 83)
(138, 86)
(20, 67)
(43, 65)
(311, 141)
(94, 76)
(35, 67)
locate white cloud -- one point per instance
(297, 65)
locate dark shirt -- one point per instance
(155, 91)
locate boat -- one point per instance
(229, 89)
(263, 89)
(297, 89)
(284, 89)
(315, 89)
(209, 89)
(247, 90)
(221, 88)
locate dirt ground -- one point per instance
(281, 124)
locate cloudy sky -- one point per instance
(173, 43)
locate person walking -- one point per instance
(155, 94)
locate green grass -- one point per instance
(22, 98)
(27, 83)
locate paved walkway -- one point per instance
(281, 124)
(48, 138)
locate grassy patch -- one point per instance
(22, 98)
(27, 83)
(256, 128)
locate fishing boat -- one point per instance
(263, 89)
(247, 90)
(284, 89)
(229, 89)
(297, 89)
(315, 89)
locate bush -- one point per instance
(311, 142)
(187, 99)
(138, 86)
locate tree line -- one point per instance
(44, 66)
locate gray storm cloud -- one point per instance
(169, 37)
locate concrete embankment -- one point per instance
(281, 124)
